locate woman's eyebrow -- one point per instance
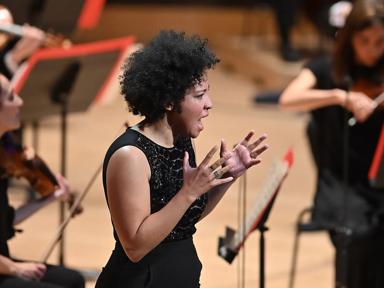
(201, 91)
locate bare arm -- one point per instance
(128, 192)
(26, 270)
(301, 96)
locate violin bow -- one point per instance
(74, 207)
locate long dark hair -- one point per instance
(365, 14)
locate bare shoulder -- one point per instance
(128, 160)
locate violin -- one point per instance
(8, 28)
(50, 40)
(17, 161)
(373, 89)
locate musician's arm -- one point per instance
(26, 270)
(7, 266)
(10, 63)
(30, 42)
(301, 95)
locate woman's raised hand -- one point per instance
(200, 180)
(244, 155)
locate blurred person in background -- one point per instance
(15, 273)
(334, 88)
(14, 50)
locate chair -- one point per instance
(301, 226)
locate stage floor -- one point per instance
(89, 236)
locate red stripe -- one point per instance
(90, 14)
(78, 50)
(379, 154)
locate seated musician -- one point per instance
(14, 50)
(15, 273)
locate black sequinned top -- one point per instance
(166, 177)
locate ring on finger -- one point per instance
(254, 154)
(217, 174)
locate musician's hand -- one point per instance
(200, 180)
(28, 44)
(360, 105)
(72, 201)
(65, 194)
(29, 270)
(244, 155)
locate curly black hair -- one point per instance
(159, 75)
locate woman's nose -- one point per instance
(208, 104)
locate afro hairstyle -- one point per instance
(159, 74)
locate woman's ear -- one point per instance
(169, 107)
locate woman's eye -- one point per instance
(199, 96)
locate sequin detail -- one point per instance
(167, 178)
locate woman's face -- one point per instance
(194, 108)
(10, 104)
(368, 45)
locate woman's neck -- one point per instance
(160, 132)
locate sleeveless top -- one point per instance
(7, 212)
(166, 180)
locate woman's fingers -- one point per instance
(40, 270)
(247, 138)
(186, 161)
(257, 142)
(257, 152)
(220, 172)
(224, 151)
(217, 164)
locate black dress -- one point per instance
(356, 205)
(174, 262)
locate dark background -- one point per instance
(193, 2)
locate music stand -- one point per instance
(59, 16)
(376, 171)
(262, 229)
(230, 244)
(64, 80)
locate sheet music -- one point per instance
(278, 172)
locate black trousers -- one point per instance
(55, 277)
